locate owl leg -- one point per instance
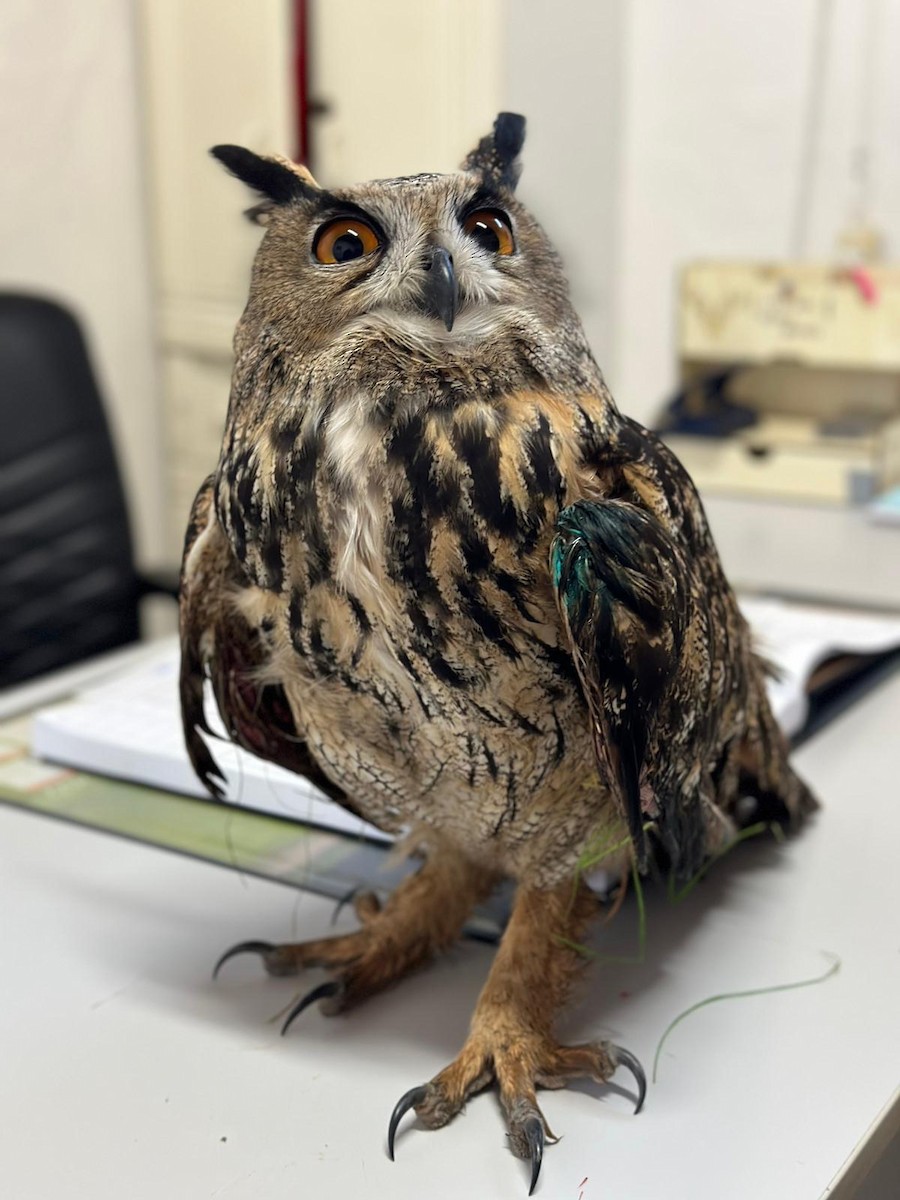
(422, 917)
(511, 1036)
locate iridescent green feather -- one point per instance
(620, 588)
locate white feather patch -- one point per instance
(354, 450)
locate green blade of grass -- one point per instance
(763, 991)
(628, 960)
(750, 831)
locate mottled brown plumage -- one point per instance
(439, 574)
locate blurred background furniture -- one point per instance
(69, 588)
(789, 380)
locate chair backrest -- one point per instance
(67, 577)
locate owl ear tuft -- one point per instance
(496, 156)
(275, 178)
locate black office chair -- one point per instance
(69, 588)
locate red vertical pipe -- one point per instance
(301, 80)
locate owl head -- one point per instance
(440, 263)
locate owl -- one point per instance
(437, 573)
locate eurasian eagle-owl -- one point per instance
(440, 575)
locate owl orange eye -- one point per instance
(491, 230)
(344, 239)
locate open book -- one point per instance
(131, 728)
(818, 652)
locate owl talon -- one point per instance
(534, 1137)
(330, 987)
(407, 1101)
(365, 903)
(262, 948)
(343, 902)
(624, 1058)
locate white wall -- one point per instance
(714, 104)
(71, 207)
(563, 69)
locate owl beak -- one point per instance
(440, 295)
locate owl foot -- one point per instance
(357, 961)
(519, 1062)
(420, 918)
(292, 958)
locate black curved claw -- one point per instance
(407, 1101)
(242, 948)
(624, 1058)
(344, 900)
(534, 1136)
(329, 988)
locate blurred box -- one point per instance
(810, 359)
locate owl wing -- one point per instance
(654, 634)
(219, 643)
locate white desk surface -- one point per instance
(128, 1074)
